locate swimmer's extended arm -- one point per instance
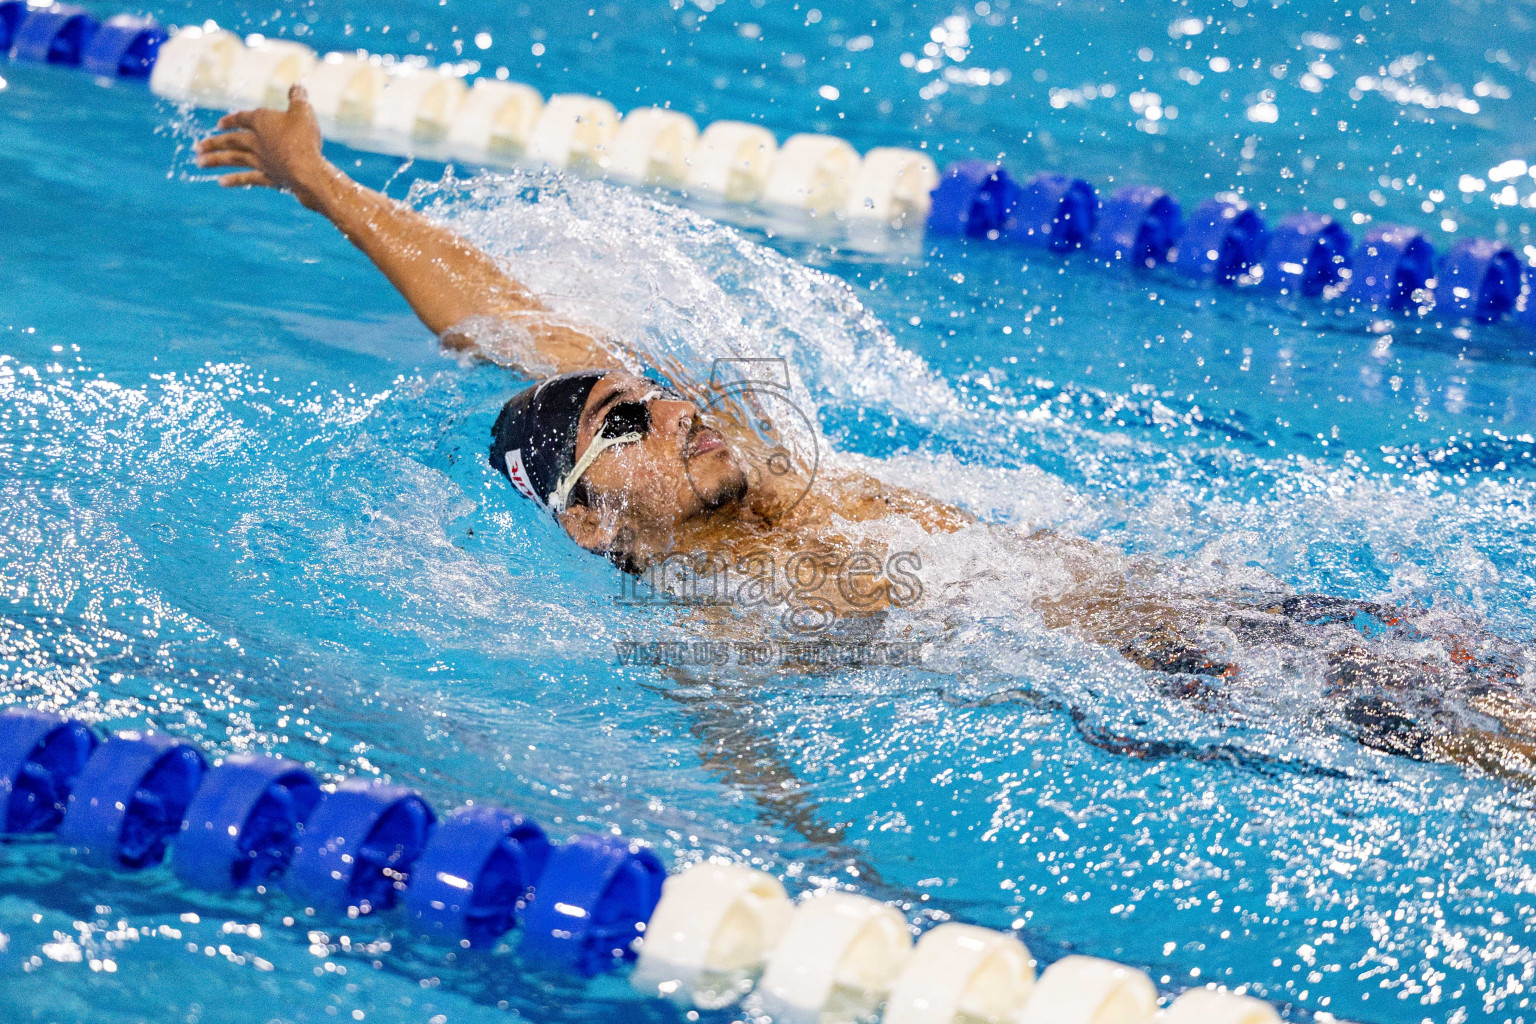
(446, 280)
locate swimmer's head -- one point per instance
(620, 462)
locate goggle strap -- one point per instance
(600, 444)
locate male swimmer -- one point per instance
(637, 472)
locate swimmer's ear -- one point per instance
(591, 529)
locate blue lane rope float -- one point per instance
(592, 903)
(974, 199)
(1054, 211)
(1391, 265)
(1224, 241)
(703, 937)
(130, 799)
(357, 849)
(242, 825)
(124, 46)
(1307, 253)
(476, 875)
(1139, 224)
(1223, 238)
(40, 757)
(1480, 279)
(54, 35)
(12, 14)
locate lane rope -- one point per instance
(403, 107)
(710, 936)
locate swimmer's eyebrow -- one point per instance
(613, 398)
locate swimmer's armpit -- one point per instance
(446, 280)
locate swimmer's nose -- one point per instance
(673, 417)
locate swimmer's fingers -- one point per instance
(229, 158)
(246, 179)
(245, 140)
(239, 119)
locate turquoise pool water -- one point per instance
(245, 501)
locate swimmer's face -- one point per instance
(682, 468)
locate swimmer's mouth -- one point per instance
(702, 442)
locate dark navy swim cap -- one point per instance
(533, 443)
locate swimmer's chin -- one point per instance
(730, 490)
(717, 479)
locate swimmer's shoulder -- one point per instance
(861, 497)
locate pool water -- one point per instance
(245, 500)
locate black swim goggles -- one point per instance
(624, 423)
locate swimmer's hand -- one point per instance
(279, 149)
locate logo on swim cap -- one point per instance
(518, 474)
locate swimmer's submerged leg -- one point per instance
(744, 756)
(1399, 708)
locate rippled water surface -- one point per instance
(244, 500)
